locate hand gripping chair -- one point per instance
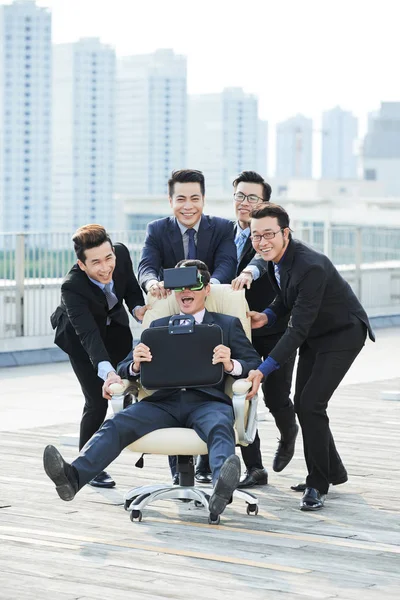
(184, 442)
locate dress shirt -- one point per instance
(185, 239)
(242, 235)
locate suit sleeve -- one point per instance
(225, 256)
(309, 296)
(151, 260)
(85, 326)
(241, 348)
(133, 295)
(123, 366)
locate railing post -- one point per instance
(328, 240)
(19, 284)
(358, 262)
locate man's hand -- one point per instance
(222, 354)
(158, 290)
(257, 319)
(140, 311)
(244, 279)
(256, 378)
(141, 353)
(111, 378)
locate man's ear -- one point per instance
(81, 265)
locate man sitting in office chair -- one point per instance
(207, 410)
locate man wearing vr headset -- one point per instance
(207, 410)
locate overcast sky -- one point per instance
(295, 55)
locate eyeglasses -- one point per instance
(196, 287)
(251, 198)
(268, 235)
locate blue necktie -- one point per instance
(277, 274)
(240, 242)
(112, 299)
(192, 252)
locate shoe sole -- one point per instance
(227, 482)
(54, 466)
(311, 508)
(102, 485)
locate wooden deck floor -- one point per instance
(89, 550)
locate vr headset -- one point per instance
(182, 278)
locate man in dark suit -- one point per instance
(207, 410)
(327, 324)
(251, 191)
(187, 234)
(92, 326)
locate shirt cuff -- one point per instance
(272, 318)
(104, 369)
(149, 283)
(268, 366)
(237, 368)
(213, 280)
(255, 271)
(132, 372)
(133, 314)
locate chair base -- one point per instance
(138, 498)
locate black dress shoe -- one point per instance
(312, 499)
(341, 477)
(285, 451)
(203, 477)
(102, 480)
(61, 473)
(254, 477)
(226, 484)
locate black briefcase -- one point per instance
(181, 355)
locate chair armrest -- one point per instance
(245, 412)
(122, 394)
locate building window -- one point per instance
(370, 174)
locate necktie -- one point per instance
(240, 242)
(277, 274)
(192, 253)
(112, 299)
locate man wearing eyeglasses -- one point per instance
(327, 324)
(250, 192)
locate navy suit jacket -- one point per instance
(324, 309)
(163, 248)
(233, 336)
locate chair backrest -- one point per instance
(222, 299)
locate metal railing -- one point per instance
(32, 267)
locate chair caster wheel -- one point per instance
(136, 515)
(252, 509)
(214, 519)
(198, 504)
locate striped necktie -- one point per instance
(112, 299)
(192, 251)
(277, 274)
(240, 242)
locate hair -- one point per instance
(186, 176)
(253, 177)
(201, 267)
(89, 236)
(272, 210)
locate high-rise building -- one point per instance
(150, 121)
(25, 116)
(339, 138)
(83, 135)
(381, 151)
(225, 136)
(294, 148)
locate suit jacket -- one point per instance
(325, 312)
(261, 292)
(163, 248)
(233, 336)
(80, 320)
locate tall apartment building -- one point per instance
(83, 135)
(25, 116)
(339, 138)
(381, 151)
(225, 136)
(294, 148)
(151, 121)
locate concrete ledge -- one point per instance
(32, 357)
(385, 322)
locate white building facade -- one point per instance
(339, 139)
(83, 135)
(225, 137)
(151, 121)
(294, 148)
(25, 117)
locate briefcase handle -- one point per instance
(175, 327)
